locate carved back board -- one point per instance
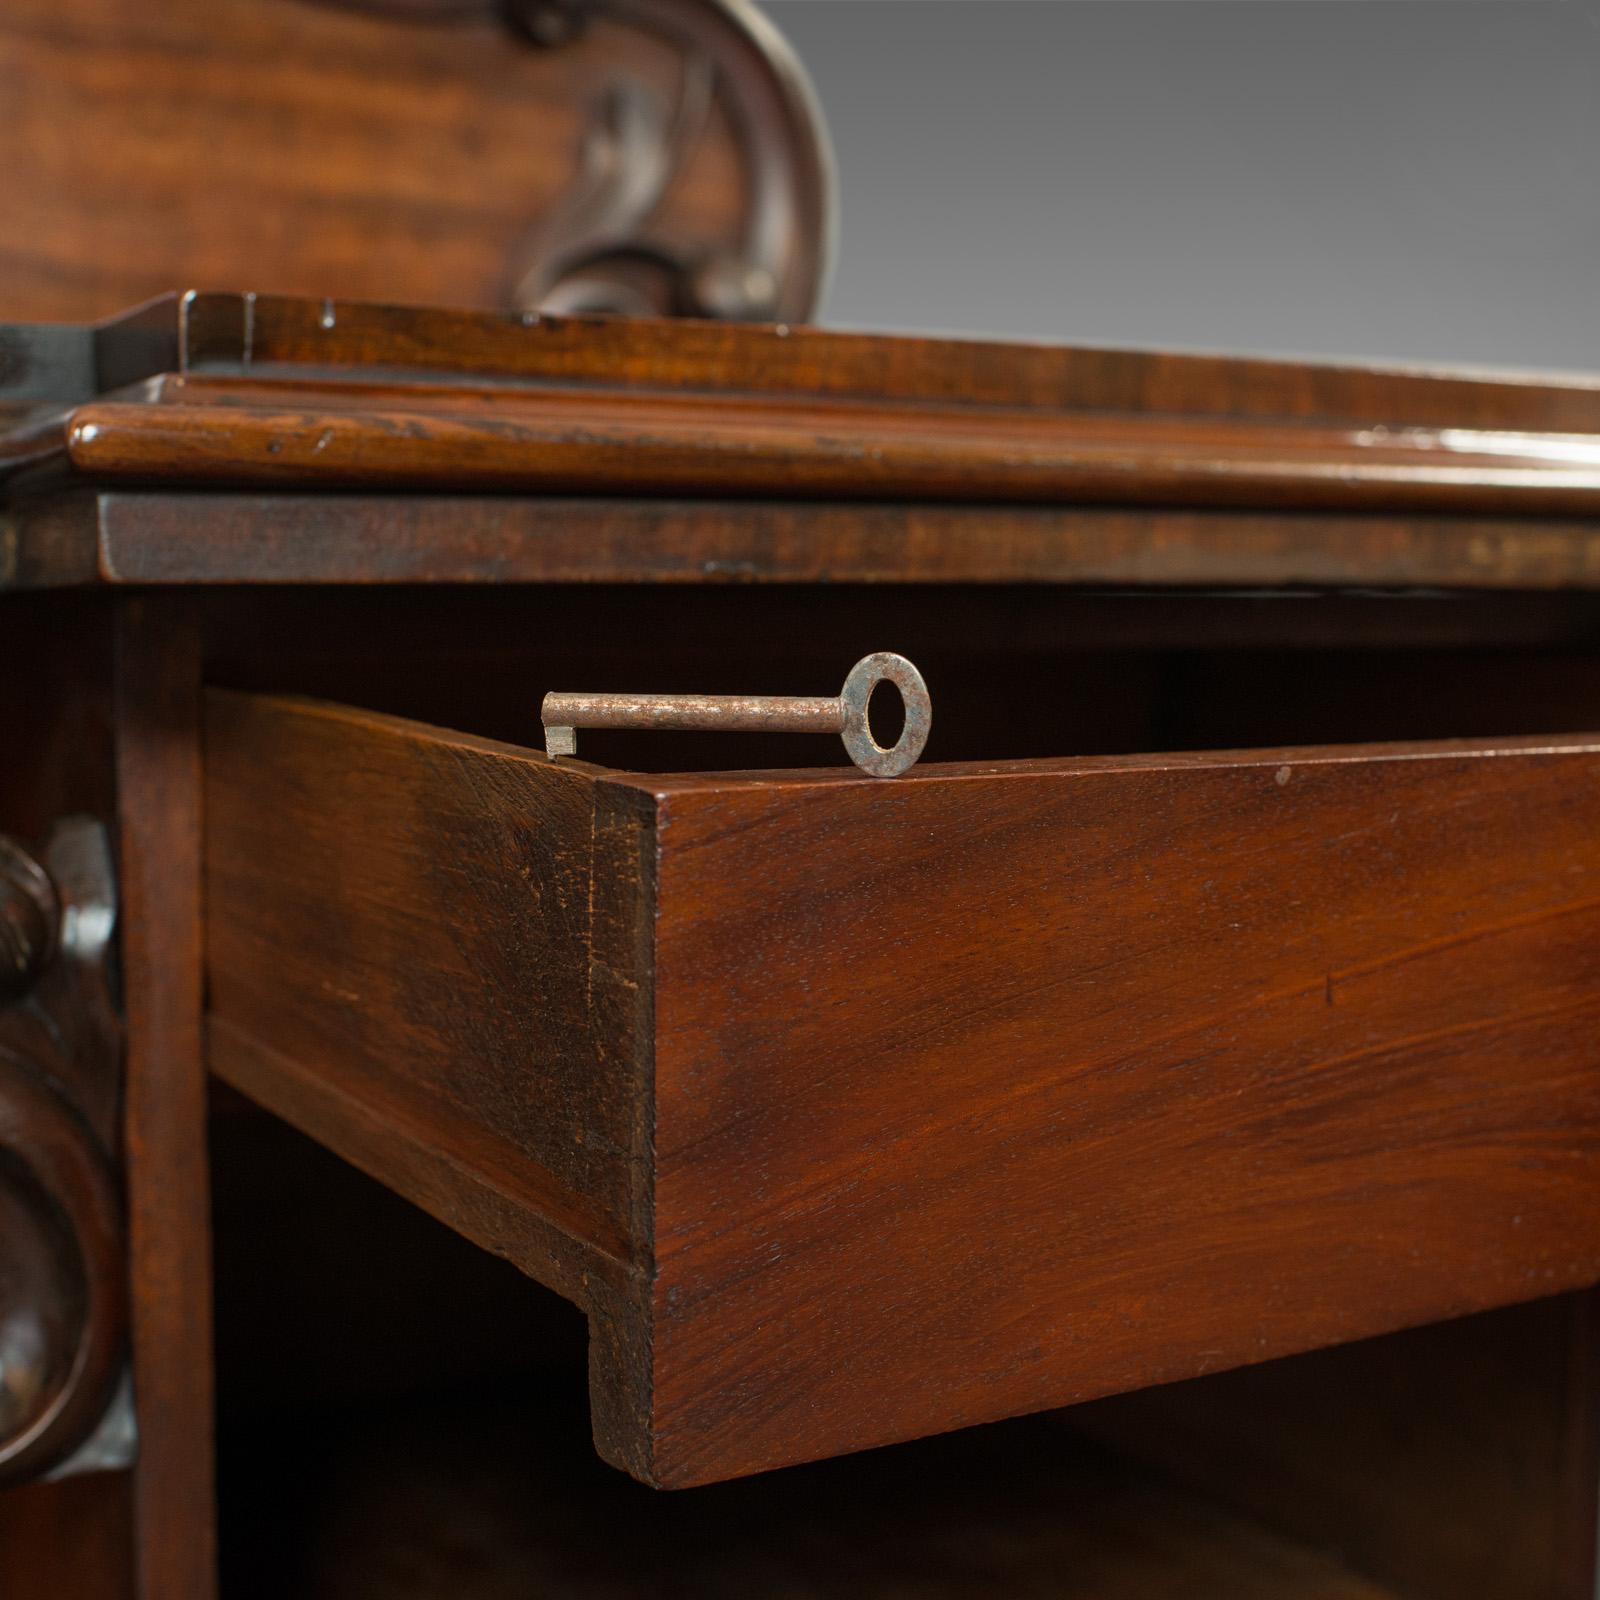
(632, 155)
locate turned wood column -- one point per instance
(61, 1271)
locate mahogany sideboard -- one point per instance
(1151, 1147)
(848, 1110)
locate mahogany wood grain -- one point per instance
(134, 536)
(1058, 1080)
(483, 1059)
(560, 443)
(987, 1090)
(169, 1238)
(572, 450)
(271, 337)
(301, 148)
(294, 338)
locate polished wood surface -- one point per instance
(504, 1082)
(134, 536)
(267, 335)
(846, 1112)
(306, 148)
(1042, 1083)
(62, 1293)
(592, 449)
(501, 1090)
(75, 1536)
(560, 442)
(984, 1091)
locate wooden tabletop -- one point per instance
(327, 442)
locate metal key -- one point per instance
(845, 714)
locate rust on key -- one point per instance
(844, 714)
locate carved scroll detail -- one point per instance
(590, 253)
(599, 253)
(599, 249)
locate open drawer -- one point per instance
(853, 1110)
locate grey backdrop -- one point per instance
(1414, 178)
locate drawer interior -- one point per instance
(852, 1111)
(1380, 1198)
(1015, 673)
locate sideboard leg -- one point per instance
(158, 813)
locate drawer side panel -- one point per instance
(983, 1092)
(402, 958)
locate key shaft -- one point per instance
(845, 714)
(727, 713)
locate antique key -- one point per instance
(845, 714)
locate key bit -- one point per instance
(844, 714)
